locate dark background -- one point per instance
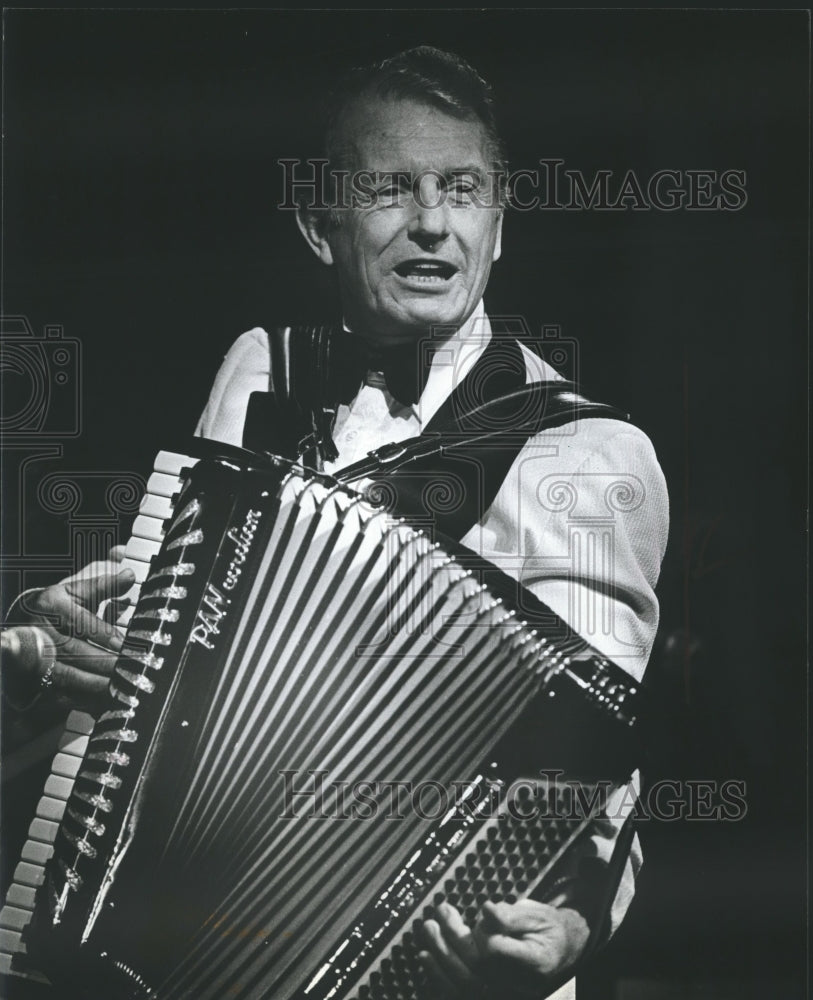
(140, 185)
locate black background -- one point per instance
(140, 187)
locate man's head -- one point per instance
(415, 225)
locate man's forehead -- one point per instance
(386, 134)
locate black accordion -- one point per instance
(323, 722)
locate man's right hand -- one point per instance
(86, 647)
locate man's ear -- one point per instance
(498, 241)
(313, 226)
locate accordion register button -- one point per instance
(194, 537)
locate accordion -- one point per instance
(323, 722)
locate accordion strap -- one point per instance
(467, 447)
(464, 455)
(293, 417)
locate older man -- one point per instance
(412, 223)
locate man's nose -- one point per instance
(430, 222)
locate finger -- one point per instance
(95, 631)
(523, 917)
(101, 567)
(116, 554)
(81, 655)
(111, 581)
(78, 684)
(439, 984)
(503, 946)
(57, 609)
(449, 962)
(457, 932)
(535, 945)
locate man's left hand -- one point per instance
(514, 947)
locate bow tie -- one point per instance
(405, 367)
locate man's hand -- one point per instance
(86, 646)
(516, 948)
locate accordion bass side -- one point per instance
(315, 730)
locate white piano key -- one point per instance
(155, 506)
(142, 549)
(28, 874)
(9, 965)
(6, 958)
(10, 942)
(12, 918)
(79, 722)
(58, 787)
(21, 896)
(43, 830)
(66, 764)
(171, 462)
(73, 743)
(50, 808)
(148, 527)
(162, 485)
(36, 853)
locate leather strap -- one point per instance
(447, 477)
(294, 417)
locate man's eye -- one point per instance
(390, 195)
(462, 191)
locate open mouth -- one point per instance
(430, 271)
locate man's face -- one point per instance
(420, 254)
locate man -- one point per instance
(412, 249)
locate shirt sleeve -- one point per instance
(582, 521)
(244, 370)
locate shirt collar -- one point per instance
(453, 358)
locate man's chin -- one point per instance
(425, 318)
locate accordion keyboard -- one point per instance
(148, 527)
(144, 543)
(28, 875)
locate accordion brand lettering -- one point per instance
(213, 608)
(242, 547)
(209, 616)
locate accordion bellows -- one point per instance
(311, 696)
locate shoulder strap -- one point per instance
(293, 417)
(448, 476)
